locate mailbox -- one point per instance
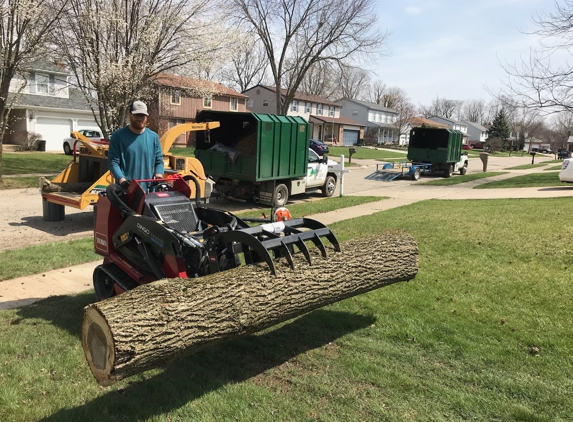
(351, 151)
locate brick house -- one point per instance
(179, 98)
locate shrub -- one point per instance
(27, 141)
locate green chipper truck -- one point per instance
(430, 151)
(262, 157)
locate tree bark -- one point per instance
(156, 323)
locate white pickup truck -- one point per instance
(322, 174)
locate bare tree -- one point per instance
(321, 79)
(115, 48)
(297, 34)
(24, 25)
(536, 82)
(442, 107)
(398, 100)
(351, 82)
(376, 91)
(474, 111)
(248, 63)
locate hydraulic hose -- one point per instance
(114, 192)
(197, 188)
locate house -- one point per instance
(476, 133)
(326, 122)
(453, 124)
(178, 99)
(44, 103)
(418, 122)
(378, 120)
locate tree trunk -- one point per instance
(156, 323)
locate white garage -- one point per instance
(53, 131)
(350, 137)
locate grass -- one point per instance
(19, 182)
(482, 333)
(51, 256)
(184, 152)
(526, 181)
(526, 166)
(368, 153)
(457, 179)
(33, 163)
(553, 168)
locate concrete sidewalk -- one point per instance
(28, 289)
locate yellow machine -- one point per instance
(87, 175)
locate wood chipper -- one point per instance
(80, 184)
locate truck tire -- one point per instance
(329, 186)
(280, 195)
(449, 171)
(416, 174)
(464, 169)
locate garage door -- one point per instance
(350, 137)
(53, 131)
(87, 124)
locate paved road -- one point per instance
(360, 181)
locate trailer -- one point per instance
(386, 172)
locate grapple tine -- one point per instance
(318, 243)
(303, 248)
(284, 250)
(250, 241)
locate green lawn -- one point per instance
(457, 179)
(527, 181)
(368, 153)
(483, 333)
(34, 162)
(526, 166)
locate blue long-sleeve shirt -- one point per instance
(134, 156)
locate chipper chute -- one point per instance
(191, 276)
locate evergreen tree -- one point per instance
(499, 128)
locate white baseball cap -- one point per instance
(138, 107)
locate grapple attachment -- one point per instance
(279, 239)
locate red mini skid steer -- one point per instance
(146, 237)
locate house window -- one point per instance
(265, 103)
(207, 102)
(331, 111)
(307, 107)
(250, 103)
(234, 104)
(319, 109)
(294, 105)
(42, 84)
(175, 96)
(175, 122)
(355, 112)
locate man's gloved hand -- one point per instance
(124, 185)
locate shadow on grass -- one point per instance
(65, 312)
(211, 369)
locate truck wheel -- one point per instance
(450, 171)
(464, 169)
(416, 174)
(329, 187)
(280, 196)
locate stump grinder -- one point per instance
(145, 237)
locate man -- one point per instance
(134, 150)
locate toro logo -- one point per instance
(142, 228)
(101, 242)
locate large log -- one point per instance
(156, 323)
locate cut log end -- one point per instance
(97, 342)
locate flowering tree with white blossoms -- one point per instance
(116, 48)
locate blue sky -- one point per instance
(452, 49)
